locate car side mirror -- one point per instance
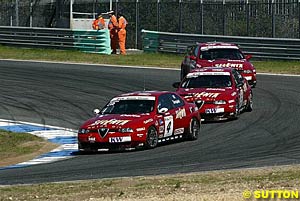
(248, 57)
(96, 111)
(239, 85)
(192, 57)
(176, 85)
(163, 110)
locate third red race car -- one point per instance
(220, 93)
(218, 55)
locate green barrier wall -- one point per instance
(150, 41)
(92, 41)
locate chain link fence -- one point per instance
(256, 18)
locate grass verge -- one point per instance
(214, 185)
(19, 147)
(143, 59)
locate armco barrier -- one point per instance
(261, 48)
(64, 39)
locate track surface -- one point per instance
(64, 95)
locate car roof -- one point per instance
(217, 45)
(145, 93)
(210, 71)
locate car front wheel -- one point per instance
(194, 129)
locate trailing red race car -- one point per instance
(220, 93)
(140, 119)
(218, 55)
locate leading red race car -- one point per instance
(218, 55)
(220, 93)
(140, 119)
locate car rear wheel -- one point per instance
(249, 106)
(194, 129)
(152, 138)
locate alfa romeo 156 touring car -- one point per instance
(220, 93)
(218, 55)
(140, 119)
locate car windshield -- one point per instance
(128, 107)
(213, 54)
(207, 81)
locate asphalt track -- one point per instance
(64, 95)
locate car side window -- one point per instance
(164, 101)
(193, 51)
(237, 77)
(176, 101)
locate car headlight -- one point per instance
(83, 131)
(126, 130)
(247, 71)
(220, 102)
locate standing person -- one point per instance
(98, 23)
(113, 30)
(122, 33)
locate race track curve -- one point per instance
(65, 95)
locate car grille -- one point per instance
(200, 103)
(103, 131)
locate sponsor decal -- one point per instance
(176, 101)
(91, 139)
(161, 122)
(231, 101)
(178, 131)
(148, 121)
(230, 65)
(140, 135)
(130, 115)
(248, 77)
(215, 89)
(110, 121)
(140, 129)
(197, 74)
(133, 98)
(214, 110)
(180, 113)
(161, 129)
(207, 95)
(119, 139)
(216, 46)
(161, 136)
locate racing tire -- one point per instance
(184, 71)
(151, 138)
(182, 74)
(237, 110)
(194, 129)
(249, 106)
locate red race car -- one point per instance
(220, 93)
(140, 119)
(218, 55)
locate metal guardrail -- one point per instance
(260, 48)
(63, 39)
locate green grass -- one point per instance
(17, 144)
(139, 59)
(215, 185)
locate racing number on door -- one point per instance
(169, 124)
